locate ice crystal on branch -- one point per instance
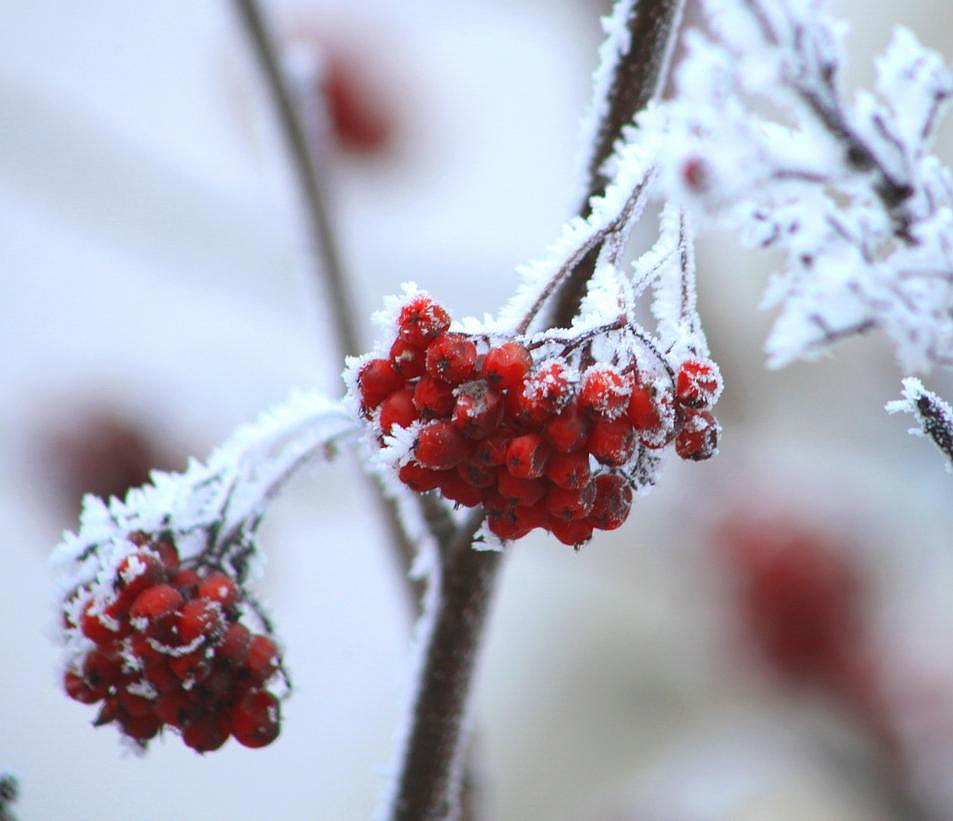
(759, 137)
(934, 416)
(160, 628)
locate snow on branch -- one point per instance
(760, 138)
(934, 416)
(212, 509)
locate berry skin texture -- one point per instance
(422, 320)
(612, 442)
(452, 358)
(506, 366)
(545, 393)
(698, 383)
(408, 360)
(154, 605)
(613, 502)
(421, 479)
(604, 392)
(262, 658)
(478, 410)
(572, 532)
(440, 446)
(256, 719)
(570, 430)
(527, 455)
(376, 381)
(698, 438)
(521, 491)
(571, 504)
(568, 470)
(433, 398)
(398, 409)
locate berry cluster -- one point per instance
(162, 646)
(543, 442)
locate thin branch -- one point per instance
(329, 269)
(639, 77)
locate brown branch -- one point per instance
(429, 782)
(329, 269)
(639, 78)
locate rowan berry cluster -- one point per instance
(162, 645)
(540, 440)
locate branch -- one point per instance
(638, 78)
(329, 269)
(933, 415)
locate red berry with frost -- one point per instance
(572, 532)
(521, 491)
(568, 470)
(698, 383)
(569, 504)
(135, 704)
(154, 607)
(135, 573)
(421, 479)
(408, 360)
(506, 366)
(221, 588)
(526, 456)
(261, 661)
(433, 398)
(569, 431)
(78, 690)
(201, 618)
(98, 627)
(192, 667)
(642, 409)
(545, 393)
(421, 320)
(256, 719)
(440, 446)
(478, 410)
(398, 409)
(613, 502)
(101, 670)
(612, 442)
(376, 381)
(235, 644)
(698, 438)
(604, 392)
(452, 358)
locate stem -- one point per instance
(638, 78)
(429, 782)
(329, 269)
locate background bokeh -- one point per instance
(767, 638)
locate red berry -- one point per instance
(506, 366)
(491, 451)
(408, 360)
(456, 489)
(201, 618)
(135, 573)
(613, 502)
(698, 438)
(168, 554)
(134, 704)
(526, 456)
(175, 707)
(642, 411)
(604, 391)
(219, 587)
(545, 392)
(440, 446)
(568, 470)
(522, 491)
(572, 532)
(161, 676)
(358, 112)
(422, 320)
(398, 409)
(235, 644)
(571, 504)
(569, 430)
(187, 582)
(262, 659)
(421, 479)
(141, 728)
(451, 357)
(194, 666)
(154, 606)
(612, 442)
(206, 733)
(78, 690)
(475, 474)
(478, 410)
(256, 719)
(100, 628)
(433, 398)
(376, 381)
(698, 383)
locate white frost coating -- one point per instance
(934, 415)
(759, 139)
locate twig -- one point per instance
(329, 269)
(639, 78)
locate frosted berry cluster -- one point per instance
(540, 440)
(160, 644)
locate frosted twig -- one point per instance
(934, 416)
